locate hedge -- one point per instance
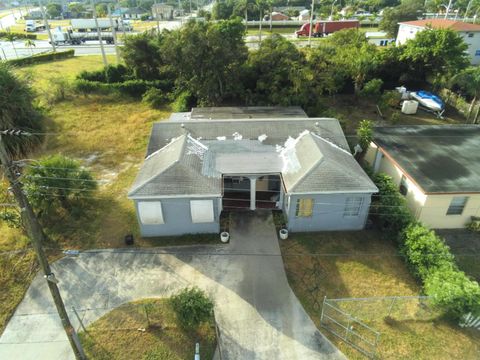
(426, 254)
(5, 34)
(43, 58)
(134, 88)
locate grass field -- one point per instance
(367, 266)
(117, 336)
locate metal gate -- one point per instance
(351, 330)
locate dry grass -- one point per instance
(351, 270)
(116, 335)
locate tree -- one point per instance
(469, 81)
(101, 9)
(206, 59)
(355, 55)
(222, 9)
(12, 37)
(141, 55)
(76, 8)
(17, 111)
(365, 134)
(53, 10)
(57, 182)
(192, 307)
(274, 72)
(30, 44)
(439, 52)
(404, 12)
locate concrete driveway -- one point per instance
(258, 314)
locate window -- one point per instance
(150, 212)
(202, 211)
(352, 206)
(470, 35)
(457, 205)
(403, 186)
(304, 208)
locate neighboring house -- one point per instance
(304, 15)
(379, 38)
(277, 16)
(162, 11)
(437, 169)
(195, 169)
(135, 13)
(469, 32)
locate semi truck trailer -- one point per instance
(71, 37)
(86, 25)
(32, 26)
(324, 28)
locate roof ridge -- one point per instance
(145, 182)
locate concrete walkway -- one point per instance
(258, 315)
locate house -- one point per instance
(304, 15)
(436, 167)
(278, 16)
(469, 32)
(197, 168)
(162, 11)
(379, 38)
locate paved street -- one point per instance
(258, 314)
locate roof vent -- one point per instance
(317, 124)
(182, 125)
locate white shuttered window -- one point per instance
(202, 211)
(150, 212)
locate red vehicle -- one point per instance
(323, 28)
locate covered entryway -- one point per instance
(250, 192)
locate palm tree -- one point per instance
(11, 37)
(260, 5)
(246, 5)
(469, 79)
(30, 44)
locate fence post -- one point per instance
(323, 309)
(391, 306)
(78, 317)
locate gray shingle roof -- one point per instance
(311, 154)
(440, 158)
(247, 112)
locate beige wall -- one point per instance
(434, 213)
(429, 209)
(262, 184)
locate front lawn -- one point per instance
(127, 333)
(362, 264)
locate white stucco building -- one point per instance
(469, 32)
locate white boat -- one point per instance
(428, 100)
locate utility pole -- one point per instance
(114, 34)
(102, 49)
(156, 17)
(37, 238)
(447, 11)
(47, 27)
(311, 25)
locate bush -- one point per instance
(425, 251)
(390, 208)
(390, 98)
(5, 34)
(183, 102)
(43, 57)
(86, 87)
(155, 98)
(97, 75)
(58, 89)
(144, 17)
(454, 292)
(192, 307)
(372, 89)
(115, 73)
(365, 134)
(134, 88)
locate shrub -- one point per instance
(134, 88)
(425, 251)
(97, 75)
(365, 134)
(390, 208)
(390, 98)
(155, 98)
(395, 117)
(58, 89)
(372, 89)
(18, 35)
(144, 17)
(183, 102)
(192, 307)
(115, 73)
(86, 87)
(42, 58)
(454, 292)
